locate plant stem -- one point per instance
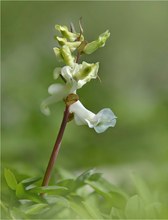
(56, 148)
(78, 57)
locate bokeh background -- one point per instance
(134, 84)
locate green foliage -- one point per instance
(87, 196)
(10, 179)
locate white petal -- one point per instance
(56, 89)
(71, 84)
(81, 114)
(105, 119)
(66, 73)
(85, 73)
(45, 109)
(58, 92)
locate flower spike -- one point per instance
(75, 75)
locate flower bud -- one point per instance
(67, 56)
(64, 54)
(57, 72)
(94, 45)
(72, 45)
(57, 52)
(66, 33)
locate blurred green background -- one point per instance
(134, 75)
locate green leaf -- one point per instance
(10, 179)
(16, 213)
(36, 209)
(58, 190)
(153, 210)
(22, 193)
(58, 200)
(4, 210)
(80, 210)
(29, 181)
(92, 209)
(117, 213)
(65, 174)
(20, 190)
(109, 192)
(135, 208)
(142, 188)
(87, 175)
(70, 184)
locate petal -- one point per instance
(86, 72)
(57, 72)
(103, 37)
(105, 119)
(81, 114)
(56, 89)
(66, 72)
(58, 92)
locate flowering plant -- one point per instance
(75, 75)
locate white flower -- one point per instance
(80, 73)
(100, 121)
(75, 78)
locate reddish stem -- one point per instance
(56, 148)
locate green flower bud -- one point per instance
(57, 52)
(64, 54)
(57, 72)
(72, 45)
(94, 45)
(67, 56)
(66, 33)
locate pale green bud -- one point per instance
(72, 45)
(64, 54)
(57, 52)
(67, 56)
(66, 33)
(57, 72)
(94, 45)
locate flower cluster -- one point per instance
(71, 46)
